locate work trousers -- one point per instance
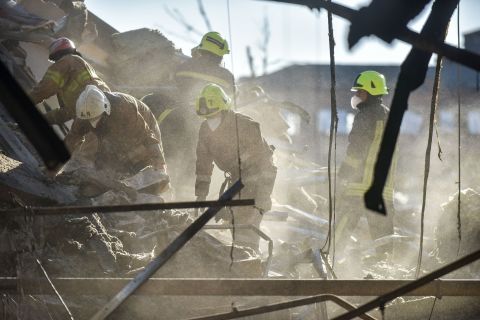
(260, 190)
(348, 213)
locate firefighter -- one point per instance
(66, 78)
(205, 67)
(191, 77)
(235, 144)
(127, 132)
(356, 170)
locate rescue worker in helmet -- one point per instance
(67, 77)
(190, 77)
(128, 135)
(205, 67)
(356, 170)
(224, 136)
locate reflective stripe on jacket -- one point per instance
(67, 78)
(364, 144)
(193, 75)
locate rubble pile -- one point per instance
(142, 49)
(446, 233)
(83, 247)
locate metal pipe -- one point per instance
(166, 254)
(62, 210)
(409, 287)
(242, 287)
(282, 306)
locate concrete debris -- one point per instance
(145, 178)
(87, 238)
(448, 245)
(142, 49)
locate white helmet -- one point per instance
(91, 104)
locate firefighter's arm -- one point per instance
(51, 83)
(153, 153)
(356, 148)
(151, 146)
(76, 134)
(254, 150)
(204, 169)
(57, 116)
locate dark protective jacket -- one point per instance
(193, 75)
(128, 139)
(363, 146)
(66, 78)
(222, 147)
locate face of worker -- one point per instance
(359, 97)
(94, 121)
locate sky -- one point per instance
(297, 34)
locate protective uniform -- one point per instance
(236, 135)
(358, 166)
(66, 78)
(128, 138)
(190, 77)
(204, 68)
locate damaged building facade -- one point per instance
(80, 242)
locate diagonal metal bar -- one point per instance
(461, 56)
(382, 300)
(166, 254)
(55, 290)
(282, 306)
(130, 207)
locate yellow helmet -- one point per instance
(372, 82)
(212, 100)
(214, 43)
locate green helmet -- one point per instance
(212, 100)
(372, 82)
(214, 43)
